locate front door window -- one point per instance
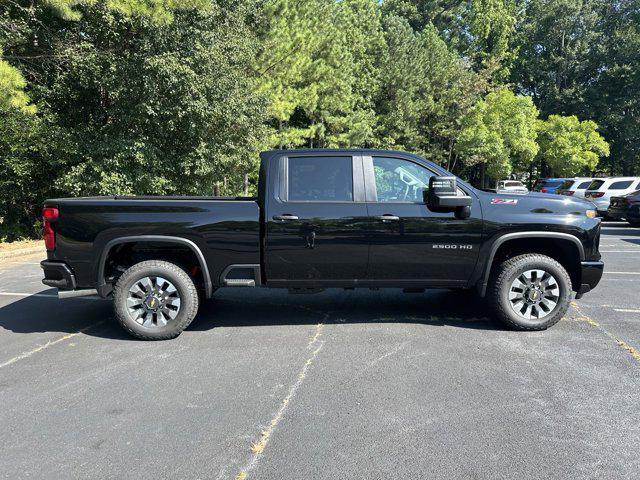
(400, 180)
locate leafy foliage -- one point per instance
(569, 146)
(425, 88)
(500, 132)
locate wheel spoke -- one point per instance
(170, 313)
(146, 284)
(133, 301)
(161, 283)
(526, 277)
(161, 319)
(518, 305)
(148, 320)
(549, 303)
(515, 294)
(135, 290)
(173, 302)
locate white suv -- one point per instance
(574, 187)
(602, 189)
(511, 186)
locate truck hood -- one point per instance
(535, 202)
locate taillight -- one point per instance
(631, 201)
(596, 194)
(569, 193)
(544, 190)
(49, 214)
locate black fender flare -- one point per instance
(515, 235)
(154, 238)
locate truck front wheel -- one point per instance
(155, 300)
(530, 292)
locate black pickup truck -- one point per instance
(325, 219)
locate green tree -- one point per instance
(13, 17)
(558, 42)
(570, 147)
(318, 66)
(480, 30)
(30, 147)
(167, 110)
(612, 98)
(426, 87)
(499, 134)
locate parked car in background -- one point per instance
(626, 207)
(602, 189)
(511, 186)
(548, 185)
(574, 187)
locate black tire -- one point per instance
(186, 292)
(502, 281)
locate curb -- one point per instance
(21, 253)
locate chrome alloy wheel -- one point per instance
(153, 302)
(534, 294)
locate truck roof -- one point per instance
(321, 151)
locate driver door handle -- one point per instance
(285, 217)
(388, 218)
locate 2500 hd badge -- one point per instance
(452, 246)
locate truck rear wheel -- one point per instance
(155, 300)
(530, 292)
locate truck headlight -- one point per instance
(591, 214)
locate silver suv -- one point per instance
(602, 189)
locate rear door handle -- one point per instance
(285, 218)
(388, 218)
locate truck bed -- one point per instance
(225, 229)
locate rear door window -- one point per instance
(320, 179)
(621, 185)
(566, 185)
(595, 185)
(584, 185)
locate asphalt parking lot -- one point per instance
(335, 385)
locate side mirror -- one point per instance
(443, 197)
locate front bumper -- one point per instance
(58, 275)
(591, 273)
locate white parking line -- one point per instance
(42, 295)
(627, 310)
(21, 294)
(50, 343)
(620, 251)
(623, 273)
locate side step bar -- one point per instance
(240, 282)
(76, 293)
(247, 275)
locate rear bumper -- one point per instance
(58, 275)
(617, 212)
(633, 213)
(591, 273)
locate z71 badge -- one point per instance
(504, 201)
